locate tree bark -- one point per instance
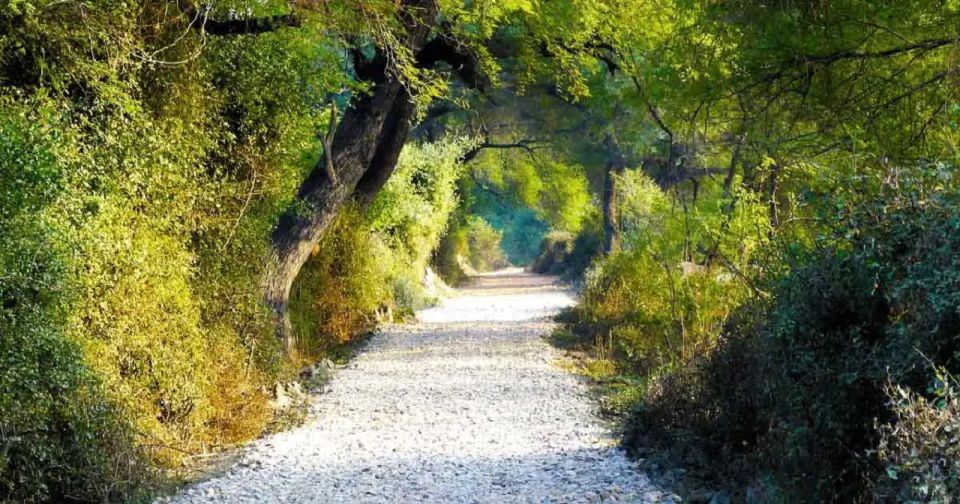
(358, 140)
(364, 152)
(393, 134)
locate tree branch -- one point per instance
(252, 26)
(526, 144)
(327, 141)
(827, 59)
(656, 118)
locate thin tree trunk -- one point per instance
(732, 168)
(772, 195)
(611, 218)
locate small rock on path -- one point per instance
(466, 406)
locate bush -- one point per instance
(651, 303)
(59, 434)
(919, 450)
(484, 250)
(795, 394)
(449, 259)
(412, 213)
(555, 249)
(568, 255)
(337, 294)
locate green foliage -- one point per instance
(651, 303)
(919, 450)
(793, 393)
(555, 249)
(47, 392)
(31, 175)
(483, 245)
(557, 192)
(416, 203)
(414, 209)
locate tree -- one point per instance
(368, 139)
(758, 85)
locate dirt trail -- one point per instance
(466, 406)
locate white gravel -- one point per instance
(466, 406)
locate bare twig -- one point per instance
(327, 141)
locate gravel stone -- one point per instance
(465, 406)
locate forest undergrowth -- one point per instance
(756, 199)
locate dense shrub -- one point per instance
(651, 303)
(469, 245)
(484, 245)
(555, 249)
(919, 450)
(340, 289)
(59, 434)
(450, 257)
(567, 254)
(795, 391)
(136, 202)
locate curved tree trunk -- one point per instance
(365, 146)
(359, 141)
(364, 151)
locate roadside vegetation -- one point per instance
(807, 364)
(757, 200)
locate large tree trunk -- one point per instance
(365, 149)
(360, 139)
(611, 219)
(393, 135)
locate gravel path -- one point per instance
(466, 406)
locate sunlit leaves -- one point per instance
(558, 192)
(414, 206)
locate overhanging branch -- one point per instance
(526, 144)
(252, 26)
(924, 45)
